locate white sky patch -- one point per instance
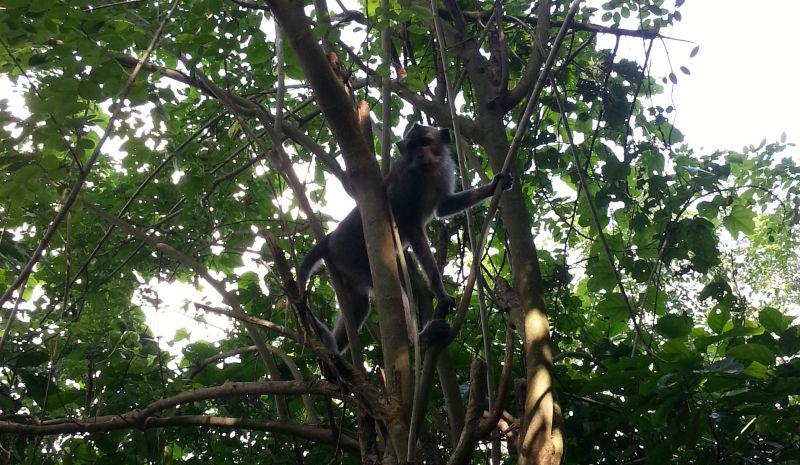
(174, 310)
(742, 84)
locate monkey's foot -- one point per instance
(445, 306)
(435, 332)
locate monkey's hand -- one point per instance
(505, 180)
(436, 332)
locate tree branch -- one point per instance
(249, 108)
(438, 110)
(534, 65)
(136, 418)
(477, 394)
(114, 422)
(286, 332)
(367, 396)
(296, 374)
(475, 16)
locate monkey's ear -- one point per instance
(412, 131)
(444, 133)
(401, 146)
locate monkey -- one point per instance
(419, 186)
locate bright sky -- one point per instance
(743, 86)
(741, 90)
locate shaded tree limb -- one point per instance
(448, 378)
(283, 331)
(114, 423)
(531, 72)
(296, 374)
(137, 417)
(291, 428)
(489, 423)
(477, 395)
(476, 426)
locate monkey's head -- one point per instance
(425, 145)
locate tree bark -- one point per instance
(337, 106)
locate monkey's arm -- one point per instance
(460, 201)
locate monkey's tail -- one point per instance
(310, 263)
(308, 266)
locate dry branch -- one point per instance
(291, 428)
(138, 418)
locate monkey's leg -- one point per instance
(422, 250)
(359, 303)
(437, 329)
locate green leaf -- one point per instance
(180, 334)
(740, 220)
(7, 404)
(613, 306)
(674, 326)
(753, 353)
(258, 54)
(248, 280)
(37, 60)
(717, 319)
(756, 370)
(676, 350)
(726, 366)
(743, 331)
(422, 12)
(291, 63)
(600, 276)
(773, 320)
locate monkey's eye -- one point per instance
(419, 143)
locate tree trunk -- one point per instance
(535, 437)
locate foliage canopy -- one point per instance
(670, 329)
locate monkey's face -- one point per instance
(425, 145)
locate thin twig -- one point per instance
(596, 219)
